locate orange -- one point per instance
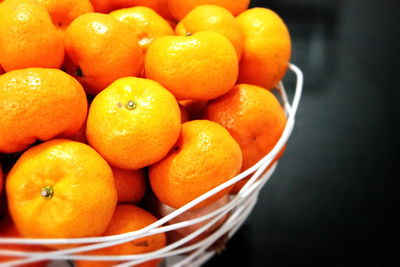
(28, 37)
(179, 8)
(253, 116)
(133, 123)
(128, 218)
(145, 23)
(131, 185)
(38, 104)
(105, 6)
(1, 70)
(198, 67)
(100, 50)
(61, 189)
(266, 48)
(63, 12)
(212, 18)
(204, 157)
(8, 230)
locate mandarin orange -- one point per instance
(100, 49)
(198, 67)
(266, 48)
(204, 157)
(38, 104)
(61, 189)
(133, 123)
(28, 37)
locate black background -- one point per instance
(333, 199)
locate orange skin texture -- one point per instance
(8, 230)
(125, 137)
(130, 185)
(103, 49)
(212, 18)
(63, 12)
(38, 104)
(128, 218)
(266, 48)
(180, 8)
(199, 67)
(28, 37)
(204, 157)
(253, 116)
(83, 187)
(145, 23)
(106, 6)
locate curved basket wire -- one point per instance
(177, 255)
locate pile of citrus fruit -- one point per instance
(106, 102)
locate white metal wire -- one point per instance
(239, 208)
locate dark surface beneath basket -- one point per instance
(332, 200)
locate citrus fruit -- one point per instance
(128, 218)
(28, 37)
(61, 189)
(38, 104)
(198, 67)
(212, 18)
(130, 185)
(204, 157)
(133, 123)
(145, 23)
(8, 230)
(63, 12)
(101, 49)
(266, 48)
(253, 116)
(179, 8)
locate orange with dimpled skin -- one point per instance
(133, 123)
(204, 157)
(61, 189)
(39, 104)
(202, 66)
(100, 49)
(28, 37)
(266, 48)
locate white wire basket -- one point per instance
(178, 253)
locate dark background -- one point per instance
(333, 199)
